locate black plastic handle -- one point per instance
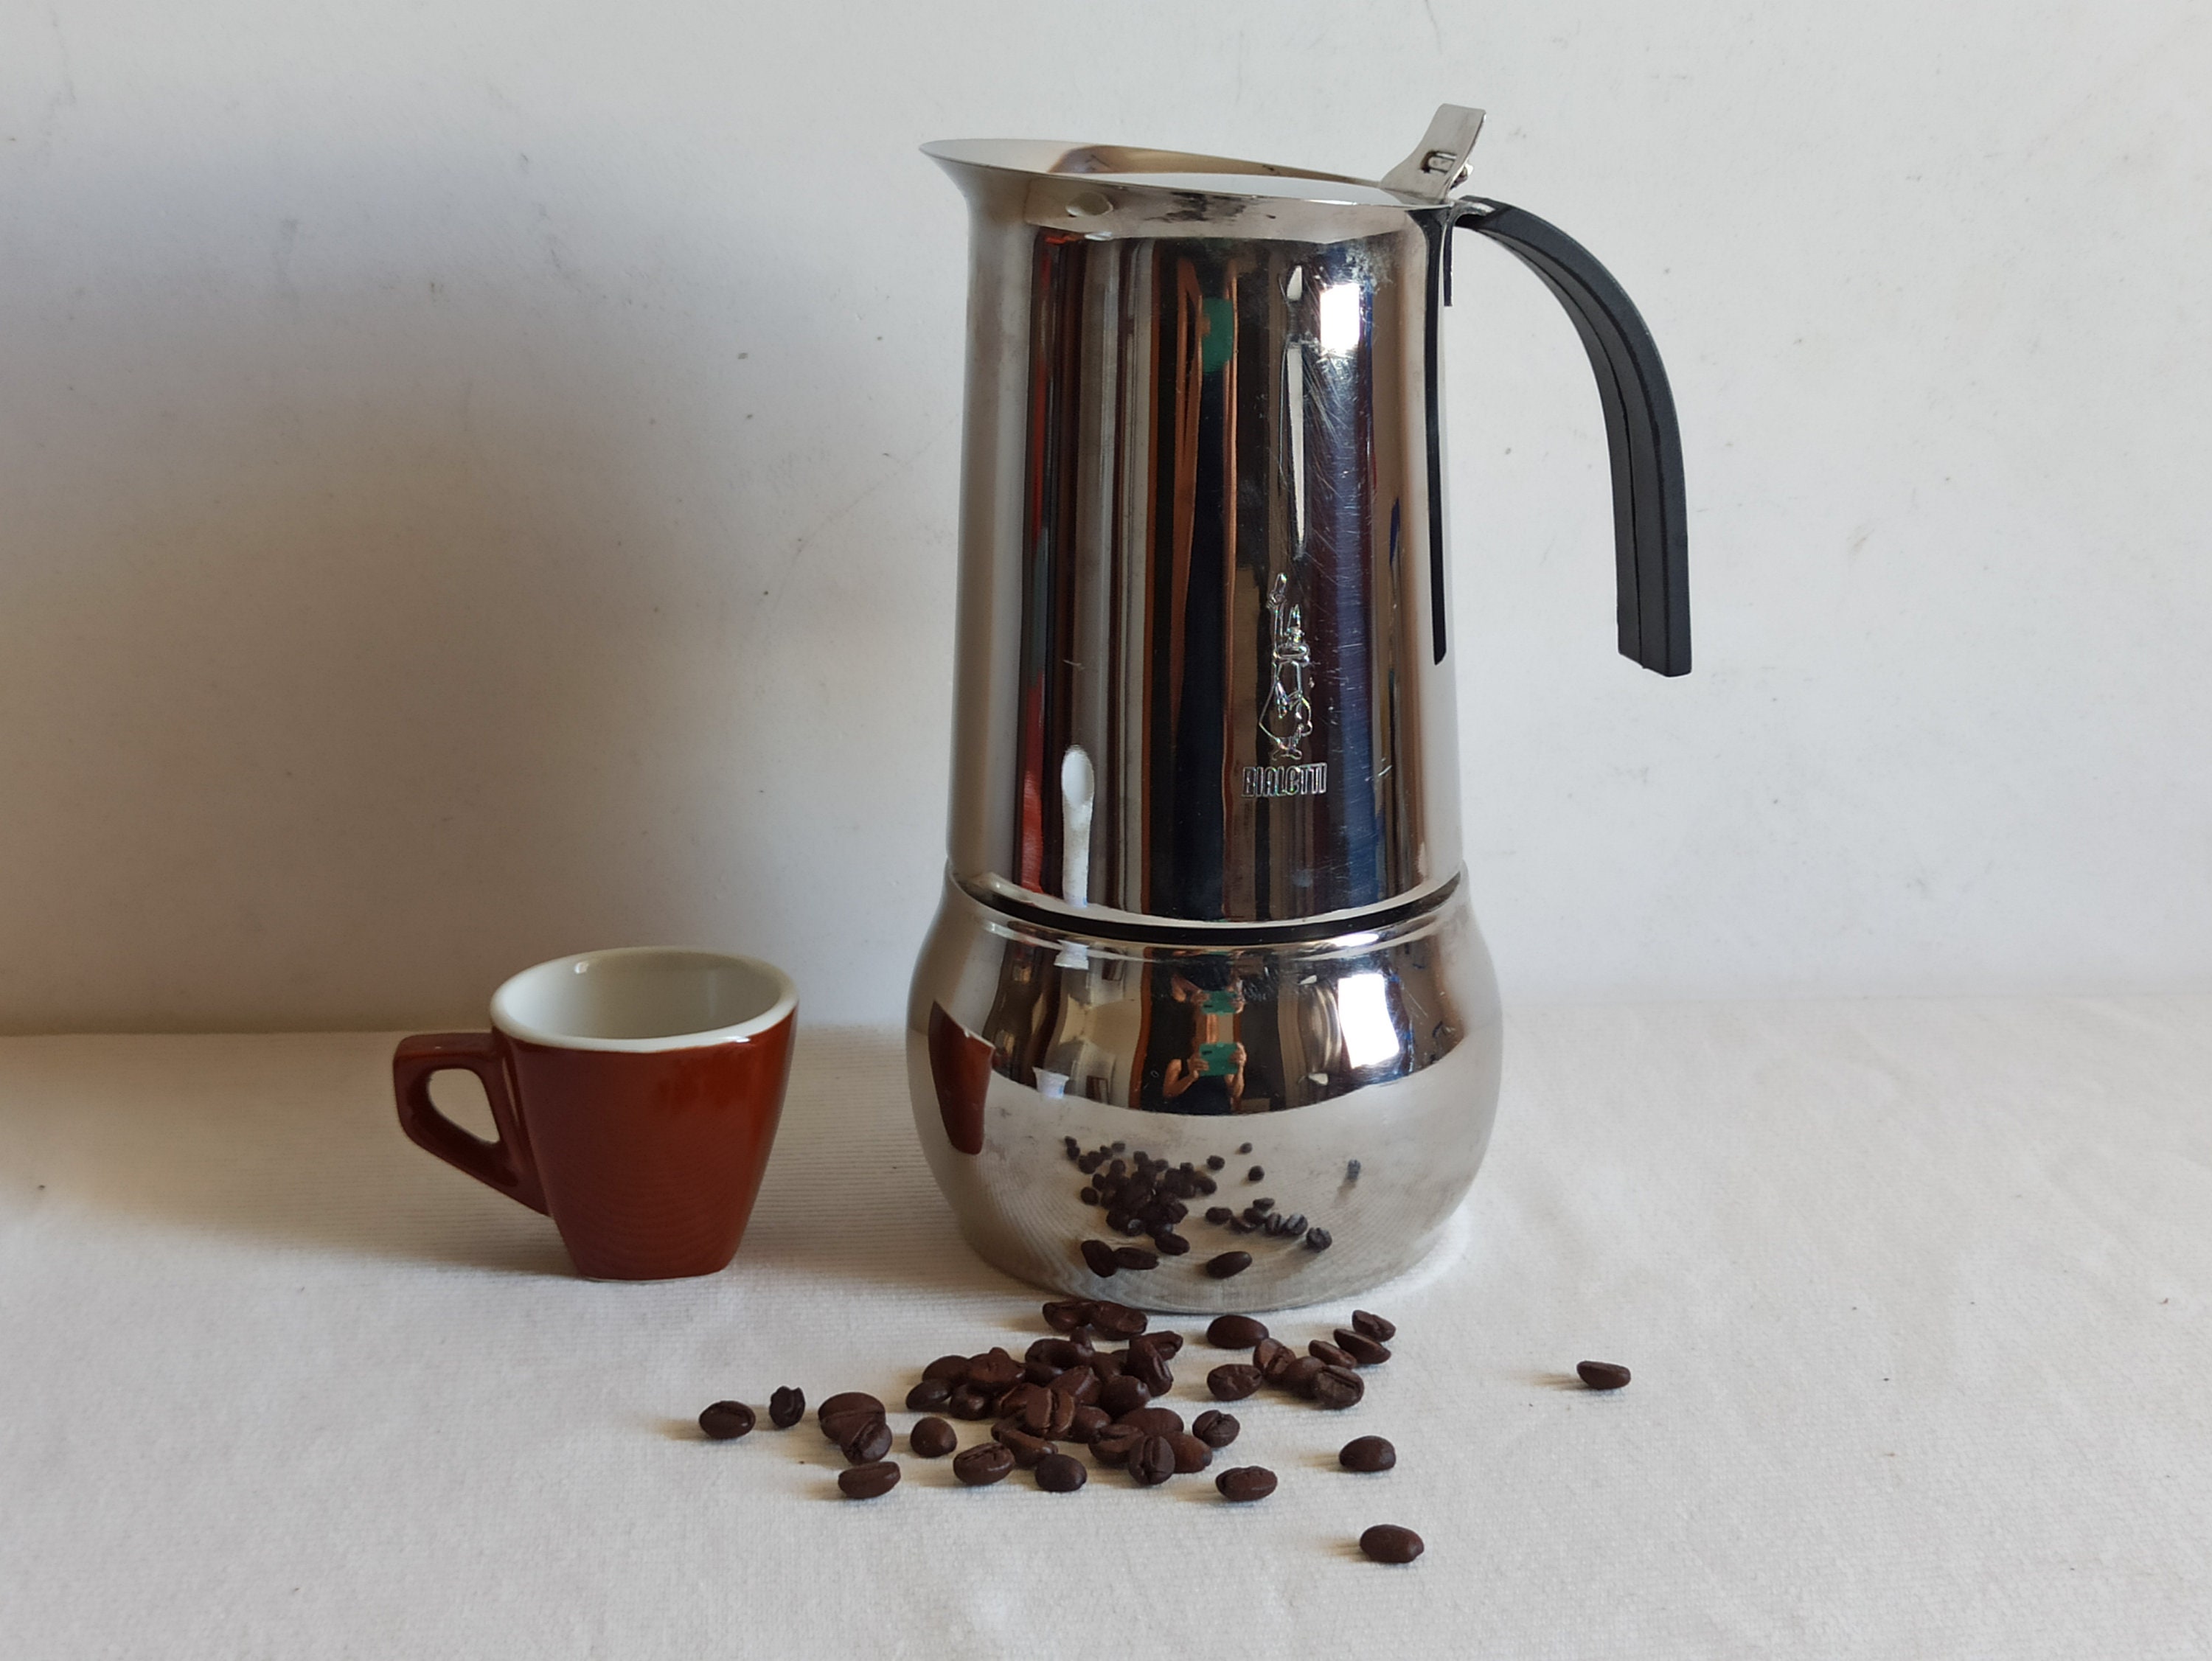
(1651, 540)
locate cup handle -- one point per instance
(505, 1164)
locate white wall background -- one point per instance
(477, 481)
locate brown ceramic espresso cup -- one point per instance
(635, 1093)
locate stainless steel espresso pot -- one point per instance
(1206, 981)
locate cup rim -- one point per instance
(505, 1019)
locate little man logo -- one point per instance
(1287, 719)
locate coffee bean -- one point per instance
(933, 1438)
(928, 1395)
(1150, 1369)
(1321, 1350)
(1228, 1264)
(1217, 1214)
(1057, 1355)
(786, 1407)
(1106, 1366)
(1386, 1542)
(1153, 1462)
(993, 1370)
(1100, 1255)
(1234, 1382)
(1054, 1416)
(1262, 1205)
(1214, 1161)
(1298, 1376)
(1363, 1349)
(1271, 1356)
(1057, 1473)
(1118, 1320)
(1234, 1332)
(1601, 1375)
(1352, 1170)
(1319, 1240)
(1016, 1403)
(1088, 1196)
(1026, 1448)
(1131, 1256)
(1338, 1387)
(869, 1481)
(1171, 1244)
(844, 1413)
(953, 1369)
(1123, 1395)
(967, 1402)
(1168, 1345)
(1243, 1147)
(1080, 1385)
(1373, 1326)
(983, 1464)
(1068, 1314)
(1153, 1421)
(1255, 1174)
(1246, 1483)
(1367, 1453)
(1115, 1443)
(1192, 1455)
(868, 1442)
(1215, 1428)
(725, 1421)
(1085, 1423)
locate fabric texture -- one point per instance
(1915, 1295)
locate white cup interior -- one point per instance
(643, 997)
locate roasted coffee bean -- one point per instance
(1217, 1214)
(933, 1438)
(1228, 1263)
(1100, 1257)
(951, 1369)
(1214, 1161)
(1113, 1445)
(1262, 1205)
(1168, 1345)
(1079, 1384)
(1386, 1542)
(1153, 1462)
(1106, 1366)
(1153, 1421)
(844, 1413)
(1298, 1377)
(1363, 1349)
(1123, 1395)
(1058, 1415)
(1601, 1375)
(1192, 1455)
(1150, 1369)
(1171, 1244)
(1215, 1428)
(1319, 1240)
(1373, 1326)
(725, 1421)
(1039, 1372)
(1327, 1353)
(1243, 1147)
(1085, 1423)
(1239, 1226)
(1118, 1320)
(868, 1442)
(1246, 1483)
(967, 1402)
(1068, 1314)
(1057, 1473)
(1234, 1332)
(1271, 1356)
(1061, 1353)
(983, 1464)
(928, 1395)
(869, 1481)
(786, 1407)
(1367, 1453)
(993, 1370)
(1026, 1448)
(1255, 1174)
(1015, 1404)
(1131, 1256)
(1352, 1170)
(1235, 1382)
(1338, 1387)
(1088, 1196)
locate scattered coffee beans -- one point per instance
(1100, 1257)
(1245, 1484)
(1235, 1382)
(1215, 1428)
(1229, 1264)
(1601, 1375)
(786, 1407)
(1363, 1349)
(725, 1421)
(1373, 1326)
(869, 1481)
(983, 1464)
(933, 1438)
(1338, 1387)
(1367, 1453)
(1057, 1473)
(1386, 1542)
(867, 1444)
(1153, 1462)
(1235, 1331)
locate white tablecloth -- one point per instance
(1915, 1294)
